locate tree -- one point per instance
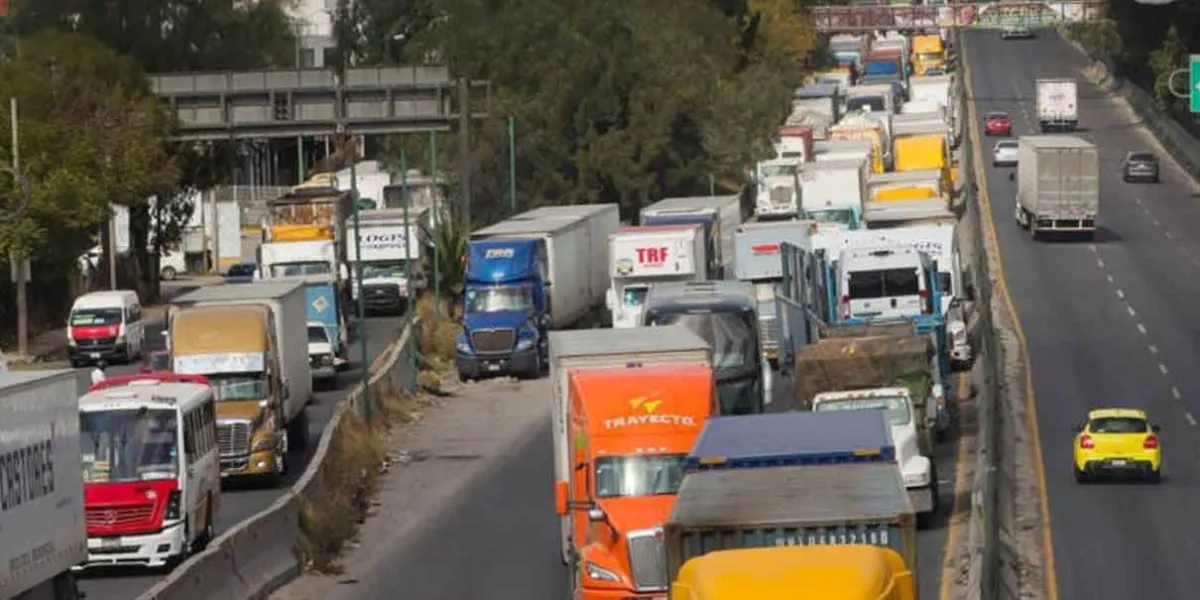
(91, 135)
(1163, 62)
(450, 241)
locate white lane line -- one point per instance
(1191, 420)
(1121, 294)
(1162, 368)
(1132, 313)
(1100, 262)
(1092, 247)
(1142, 329)
(1154, 350)
(1157, 224)
(1110, 278)
(1168, 234)
(1175, 392)
(1138, 200)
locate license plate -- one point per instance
(110, 543)
(493, 367)
(1118, 463)
(94, 355)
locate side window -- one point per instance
(189, 436)
(135, 313)
(210, 425)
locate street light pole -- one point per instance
(437, 222)
(358, 263)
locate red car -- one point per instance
(997, 123)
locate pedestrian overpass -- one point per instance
(857, 18)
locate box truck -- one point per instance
(719, 215)
(1057, 104)
(1058, 185)
(758, 263)
(540, 270)
(642, 255)
(832, 192)
(391, 249)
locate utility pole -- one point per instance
(512, 165)
(437, 221)
(22, 299)
(112, 251)
(464, 149)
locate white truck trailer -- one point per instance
(592, 348)
(643, 255)
(1058, 185)
(390, 247)
(42, 520)
(1057, 104)
(720, 216)
(286, 302)
(929, 88)
(832, 193)
(758, 262)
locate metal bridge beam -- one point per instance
(982, 15)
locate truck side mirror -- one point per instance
(560, 498)
(595, 514)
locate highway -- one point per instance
(499, 540)
(239, 504)
(1114, 322)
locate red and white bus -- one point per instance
(151, 468)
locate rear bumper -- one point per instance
(147, 550)
(474, 367)
(1065, 225)
(1109, 467)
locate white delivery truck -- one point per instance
(592, 348)
(391, 247)
(823, 98)
(777, 190)
(877, 98)
(929, 88)
(758, 262)
(1058, 185)
(41, 474)
(719, 215)
(834, 150)
(832, 193)
(1057, 104)
(286, 302)
(640, 256)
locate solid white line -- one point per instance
(1153, 349)
(1163, 368)
(1175, 392)
(1142, 328)
(1121, 294)
(1132, 313)
(1191, 419)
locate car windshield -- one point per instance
(238, 386)
(383, 270)
(997, 116)
(778, 171)
(885, 283)
(896, 406)
(1142, 156)
(1006, 146)
(498, 299)
(300, 268)
(732, 335)
(86, 317)
(123, 445)
(1118, 425)
(243, 270)
(316, 335)
(639, 475)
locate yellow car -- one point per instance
(1117, 441)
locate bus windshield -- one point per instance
(733, 335)
(124, 445)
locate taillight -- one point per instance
(173, 501)
(1086, 442)
(926, 306)
(845, 307)
(1151, 442)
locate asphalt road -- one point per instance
(239, 504)
(499, 539)
(1114, 322)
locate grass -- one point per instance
(349, 479)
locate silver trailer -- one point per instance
(1058, 185)
(758, 262)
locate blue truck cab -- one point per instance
(505, 309)
(324, 304)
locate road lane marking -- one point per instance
(1191, 419)
(1120, 293)
(1154, 349)
(959, 512)
(1110, 278)
(1175, 392)
(1141, 328)
(1162, 368)
(1156, 223)
(1169, 236)
(991, 242)
(1100, 261)
(1132, 313)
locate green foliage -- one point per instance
(1168, 57)
(446, 245)
(620, 101)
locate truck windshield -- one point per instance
(885, 283)
(929, 56)
(95, 316)
(634, 296)
(499, 298)
(733, 335)
(639, 475)
(133, 444)
(832, 216)
(238, 386)
(316, 335)
(872, 103)
(896, 406)
(383, 270)
(300, 268)
(777, 170)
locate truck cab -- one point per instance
(391, 249)
(777, 188)
(836, 572)
(505, 306)
(632, 429)
(640, 256)
(928, 54)
(725, 314)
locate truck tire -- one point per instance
(169, 274)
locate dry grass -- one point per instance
(437, 331)
(349, 478)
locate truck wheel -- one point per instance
(169, 274)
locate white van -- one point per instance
(884, 282)
(106, 325)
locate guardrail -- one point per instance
(261, 553)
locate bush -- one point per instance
(437, 330)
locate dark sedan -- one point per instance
(1140, 166)
(240, 273)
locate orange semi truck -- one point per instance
(631, 428)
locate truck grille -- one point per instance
(768, 327)
(96, 343)
(647, 559)
(119, 516)
(233, 437)
(781, 196)
(493, 341)
(381, 290)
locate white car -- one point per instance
(321, 358)
(1004, 154)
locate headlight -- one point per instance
(526, 341)
(266, 443)
(601, 574)
(326, 359)
(462, 346)
(916, 479)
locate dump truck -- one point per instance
(43, 523)
(1058, 185)
(250, 342)
(593, 348)
(841, 571)
(791, 479)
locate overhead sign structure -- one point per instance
(1194, 83)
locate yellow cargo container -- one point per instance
(870, 131)
(847, 572)
(924, 153)
(928, 52)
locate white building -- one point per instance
(314, 25)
